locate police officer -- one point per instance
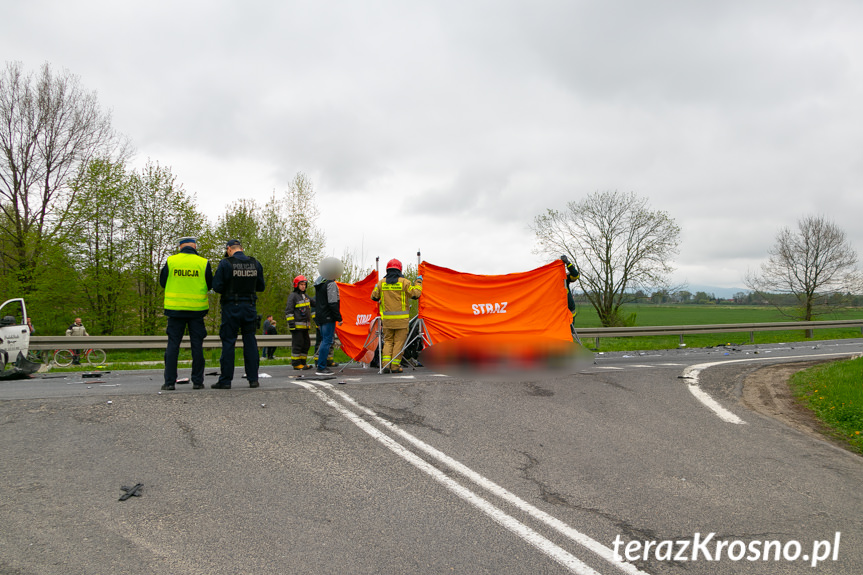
(238, 278)
(186, 277)
(394, 292)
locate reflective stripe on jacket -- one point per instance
(186, 287)
(299, 310)
(394, 304)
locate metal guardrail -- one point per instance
(161, 341)
(681, 330)
(142, 341)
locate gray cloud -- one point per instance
(472, 118)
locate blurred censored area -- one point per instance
(506, 357)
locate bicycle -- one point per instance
(39, 356)
(65, 357)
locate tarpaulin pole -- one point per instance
(380, 325)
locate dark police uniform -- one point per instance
(186, 277)
(238, 279)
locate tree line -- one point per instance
(82, 235)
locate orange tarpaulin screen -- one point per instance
(358, 311)
(533, 303)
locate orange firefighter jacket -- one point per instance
(394, 302)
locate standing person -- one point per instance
(572, 275)
(265, 331)
(30, 326)
(393, 292)
(327, 308)
(76, 329)
(270, 329)
(186, 277)
(238, 279)
(299, 315)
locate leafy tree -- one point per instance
(684, 296)
(49, 127)
(354, 271)
(100, 247)
(160, 212)
(704, 297)
(304, 240)
(812, 264)
(619, 244)
(281, 234)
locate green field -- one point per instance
(656, 315)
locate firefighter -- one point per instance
(572, 275)
(394, 292)
(299, 315)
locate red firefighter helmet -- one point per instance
(394, 263)
(299, 279)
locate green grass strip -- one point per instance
(834, 393)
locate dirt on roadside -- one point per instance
(766, 391)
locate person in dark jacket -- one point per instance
(186, 277)
(269, 329)
(238, 279)
(572, 275)
(327, 308)
(299, 315)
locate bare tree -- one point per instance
(618, 244)
(49, 127)
(813, 264)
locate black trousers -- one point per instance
(300, 344)
(197, 332)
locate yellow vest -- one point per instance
(186, 288)
(394, 301)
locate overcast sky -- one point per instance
(447, 126)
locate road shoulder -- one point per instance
(766, 391)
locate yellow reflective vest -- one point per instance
(394, 301)
(186, 287)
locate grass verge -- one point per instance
(119, 360)
(834, 393)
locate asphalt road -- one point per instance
(422, 473)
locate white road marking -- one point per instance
(556, 524)
(693, 371)
(572, 563)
